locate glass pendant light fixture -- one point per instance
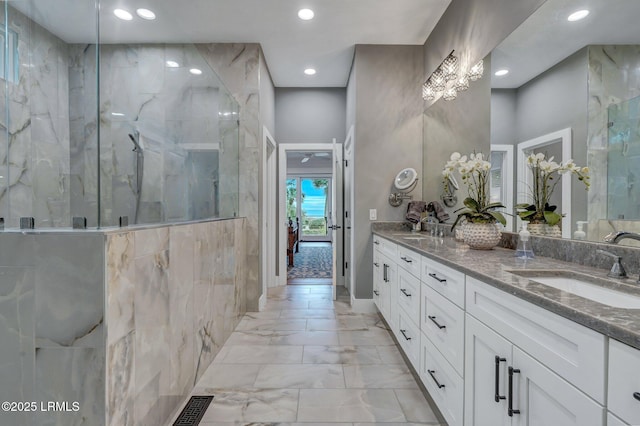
(449, 94)
(437, 80)
(462, 83)
(450, 67)
(476, 71)
(428, 94)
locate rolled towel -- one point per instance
(438, 211)
(414, 211)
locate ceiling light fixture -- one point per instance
(502, 72)
(306, 14)
(117, 114)
(462, 83)
(578, 15)
(195, 71)
(450, 67)
(146, 14)
(310, 71)
(123, 14)
(450, 94)
(476, 71)
(447, 80)
(172, 64)
(428, 94)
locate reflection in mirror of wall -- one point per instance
(583, 75)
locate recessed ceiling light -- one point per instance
(117, 114)
(146, 14)
(310, 71)
(502, 72)
(123, 14)
(306, 14)
(195, 71)
(576, 16)
(172, 64)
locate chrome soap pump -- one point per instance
(524, 250)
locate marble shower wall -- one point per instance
(614, 77)
(175, 294)
(34, 144)
(52, 325)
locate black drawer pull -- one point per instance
(376, 264)
(435, 277)
(405, 335)
(498, 397)
(406, 260)
(376, 292)
(404, 291)
(636, 395)
(433, 318)
(510, 410)
(376, 243)
(431, 373)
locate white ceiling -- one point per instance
(290, 45)
(546, 38)
(318, 160)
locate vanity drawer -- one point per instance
(409, 294)
(444, 385)
(409, 337)
(624, 382)
(385, 247)
(446, 281)
(409, 260)
(443, 323)
(572, 351)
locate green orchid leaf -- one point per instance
(499, 217)
(526, 214)
(471, 203)
(495, 206)
(552, 218)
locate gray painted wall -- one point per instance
(385, 87)
(503, 116)
(310, 115)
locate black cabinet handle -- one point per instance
(405, 335)
(433, 318)
(435, 277)
(376, 264)
(406, 260)
(385, 274)
(376, 292)
(498, 397)
(431, 373)
(404, 291)
(376, 243)
(636, 395)
(510, 410)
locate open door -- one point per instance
(335, 218)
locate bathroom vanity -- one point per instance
(493, 345)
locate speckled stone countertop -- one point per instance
(493, 266)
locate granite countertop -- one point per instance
(493, 266)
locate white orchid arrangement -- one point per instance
(545, 172)
(475, 174)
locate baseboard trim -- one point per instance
(363, 306)
(262, 302)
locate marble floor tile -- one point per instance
(247, 324)
(341, 355)
(395, 376)
(349, 405)
(229, 376)
(249, 338)
(321, 304)
(372, 336)
(254, 354)
(308, 313)
(257, 405)
(305, 338)
(288, 304)
(271, 314)
(339, 324)
(302, 376)
(320, 289)
(390, 354)
(415, 406)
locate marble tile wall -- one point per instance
(174, 295)
(35, 167)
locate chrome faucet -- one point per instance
(616, 237)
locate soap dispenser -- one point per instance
(580, 234)
(524, 250)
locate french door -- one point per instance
(309, 200)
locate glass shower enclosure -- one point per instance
(108, 123)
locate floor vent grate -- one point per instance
(193, 411)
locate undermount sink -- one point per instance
(585, 286)
(414, 238)
(407, 236)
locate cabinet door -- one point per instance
(377, 278)
(485, 376)
(542, 398)
(614, 421)
(624, 382)
(388, 290)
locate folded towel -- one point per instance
(414, 211)
(436, 208)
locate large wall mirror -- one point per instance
(582, 75)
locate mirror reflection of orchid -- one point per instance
(546, 173)
(475, 174)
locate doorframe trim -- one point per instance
(269, 208)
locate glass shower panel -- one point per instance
(38, 145)
(623, 165)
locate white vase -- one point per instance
(481, 236)
(537, 228)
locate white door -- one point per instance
(348, 209)
(542, 398)
(336, 217)
(486, 360)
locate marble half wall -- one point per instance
(174, 296)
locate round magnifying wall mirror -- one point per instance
(406, 179)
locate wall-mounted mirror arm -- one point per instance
(404, 183)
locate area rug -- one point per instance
(312, 261)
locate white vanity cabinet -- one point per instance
(385, 276)
(624, 382)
